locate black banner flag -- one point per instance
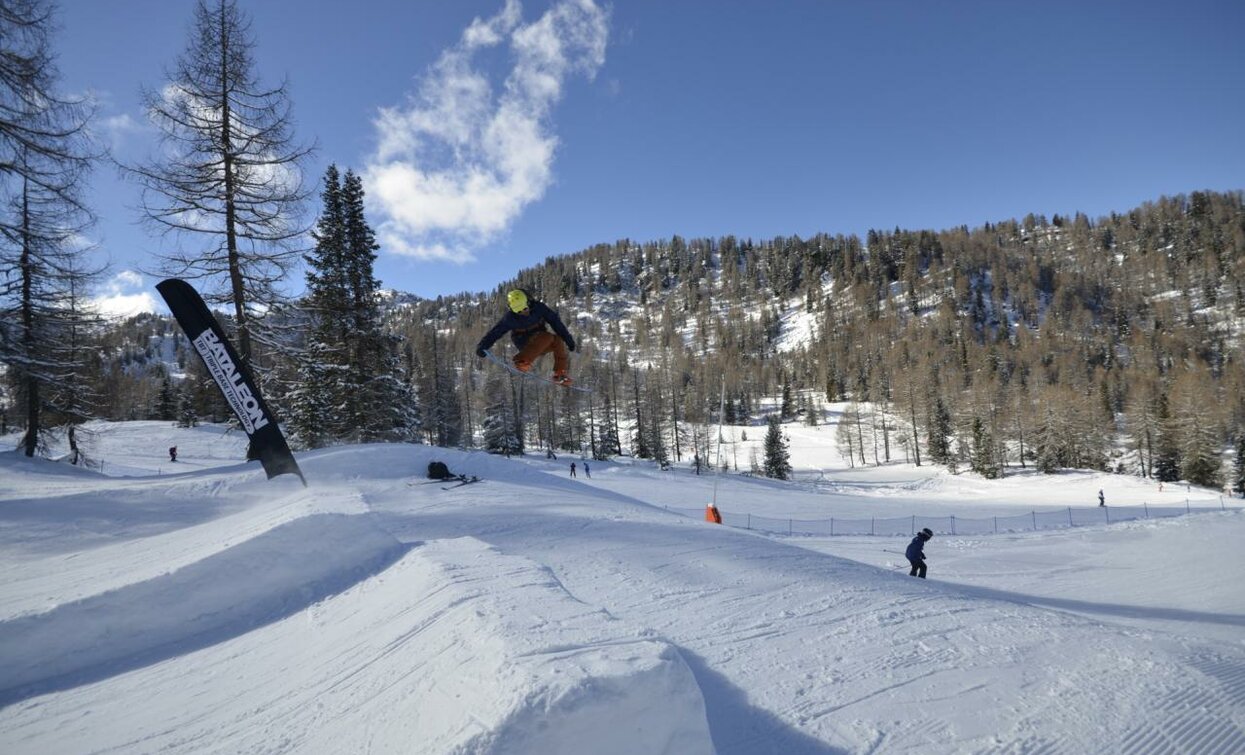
(232, 376)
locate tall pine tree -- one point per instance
(777, 457)
(352, 384)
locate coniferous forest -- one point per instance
(1046, 343)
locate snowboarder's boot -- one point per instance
(561, 378)
(522, 365)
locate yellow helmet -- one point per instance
(518, 301)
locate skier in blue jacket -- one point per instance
(916, 552)
(525, 322)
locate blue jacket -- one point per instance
(916, 549)
(523, 327)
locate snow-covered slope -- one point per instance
(214, 611)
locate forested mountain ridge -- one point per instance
(1113, 343)
(1034, 341)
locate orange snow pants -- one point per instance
(540, 344)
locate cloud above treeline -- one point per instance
(124, 295)
(457, 164)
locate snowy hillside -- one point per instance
(196, 607)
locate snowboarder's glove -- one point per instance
(481, 353)
(570, 344)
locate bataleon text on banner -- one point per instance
(232, 377)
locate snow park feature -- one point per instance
(199, 607)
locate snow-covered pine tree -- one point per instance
(318, 414)
(166, 400)
(777, 456)
(499, 425)
(609, 443)
(787, 409)
(186, 414)
(984, 461)
(351, 375)
(1166, 447)
(311, 405)
(939, 430)
(1238, 474)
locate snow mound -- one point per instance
(453, 648)
(231, 592)
(568, 677)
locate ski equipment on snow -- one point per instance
(464, 481)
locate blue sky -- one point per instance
(493, 134)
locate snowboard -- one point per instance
(461, 479)
(532, 375)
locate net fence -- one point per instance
(952, 525)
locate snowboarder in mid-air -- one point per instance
(525, 322)
(916, 552)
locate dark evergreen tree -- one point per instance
(1166, 447)
(787, 409)
(167, 403)
(609, 444)
(500, 423)
(311, 400)
(984, 461)
(186, 414)
(1238, 479)
(938, 440)
(777, 457)
(352, 381)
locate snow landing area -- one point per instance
(197, 607)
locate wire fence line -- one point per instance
(953, 525)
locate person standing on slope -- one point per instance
(525, 322)
(916, 552)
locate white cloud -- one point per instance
(118, 129)
(456, 166)
(124, 295)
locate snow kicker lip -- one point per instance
(256, 582)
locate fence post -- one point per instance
(996, 525)
(1070, 524)
(749, 521)
(872, 519)
(1146, 507)
(1034, 513)
(913, 525)
(789, 530)
(1187, 510)
(953, 524)
(1107, 510)
(831, 526)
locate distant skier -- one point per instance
(525, 322)
(172, 453)
(1102, 499)
(587, 472)
(572, 469)
(916, 552)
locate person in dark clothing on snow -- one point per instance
(525, 322)
(916, 552)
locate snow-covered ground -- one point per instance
(197, 607)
